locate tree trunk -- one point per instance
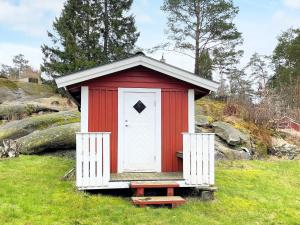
(197, 37)
(106, 29)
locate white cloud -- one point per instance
(29, 16)
(8, 50)
(293, 4)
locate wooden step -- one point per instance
(158, 200)
(141, 185)
(153, 184)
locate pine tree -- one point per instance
(89, 33)
(198, 26)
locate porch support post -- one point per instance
(84, 109)
(191, 110)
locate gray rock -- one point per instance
(230, 134)
(20, 128)
(202, 121)
(225, 152)
(51, 139)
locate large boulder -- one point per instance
(202, 121)
(230, 134)
(20, 128)
(283, 149)
(51, 139)
(18, 111)
(224, 152)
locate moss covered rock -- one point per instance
(20, 128)
(51, 139)
(18, 111)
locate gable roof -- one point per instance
(138, 60)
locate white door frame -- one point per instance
(121, 148)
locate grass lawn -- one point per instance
(253, 192)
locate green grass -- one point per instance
(253, 192)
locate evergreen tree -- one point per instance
(198, 26)
(259, 70)
(205, 65)
(89, 33)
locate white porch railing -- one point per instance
(92, 159)
(198, 158)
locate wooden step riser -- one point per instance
(139, 192)
(163, 200)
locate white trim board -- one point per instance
(84, 124)
(138, 60)
(191, 110)
(121, 92)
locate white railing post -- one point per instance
(92, 159)
(198, 158)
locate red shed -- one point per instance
(137, 123)
(288, 123)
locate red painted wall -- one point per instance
(103, 106)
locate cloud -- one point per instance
(8, 50)
(293, 4)
(29, 16)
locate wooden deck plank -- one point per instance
(164, 176)
(158, 200)
(153, 184)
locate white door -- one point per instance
(139, 130)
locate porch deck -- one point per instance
(164, 176)
(93, 163)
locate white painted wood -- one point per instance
(106, 158)
(93, 178)
(79, 160)
(211, 160)
(191, 110)
(205, 153)
(193, 159)
(92, 159)
(198, 158)
(100, 158)
(126, 184)
(133, 62)
(139, 135)
(84, 109)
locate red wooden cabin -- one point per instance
(288, 123)
(137, 118)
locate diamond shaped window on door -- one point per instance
(139, 106)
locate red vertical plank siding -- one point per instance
(103, 110)
(174, 122)
(103, 104)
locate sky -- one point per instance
(24, 25)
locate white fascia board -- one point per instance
(132, 62)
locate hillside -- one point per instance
(250, 192)
(33, 115)
(228, 122)
(20, 99)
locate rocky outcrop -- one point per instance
(230, 134)
(225, 152)
(283, 149)
(202, 121)
(18, 111)
(20, 128)
(51, 139)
